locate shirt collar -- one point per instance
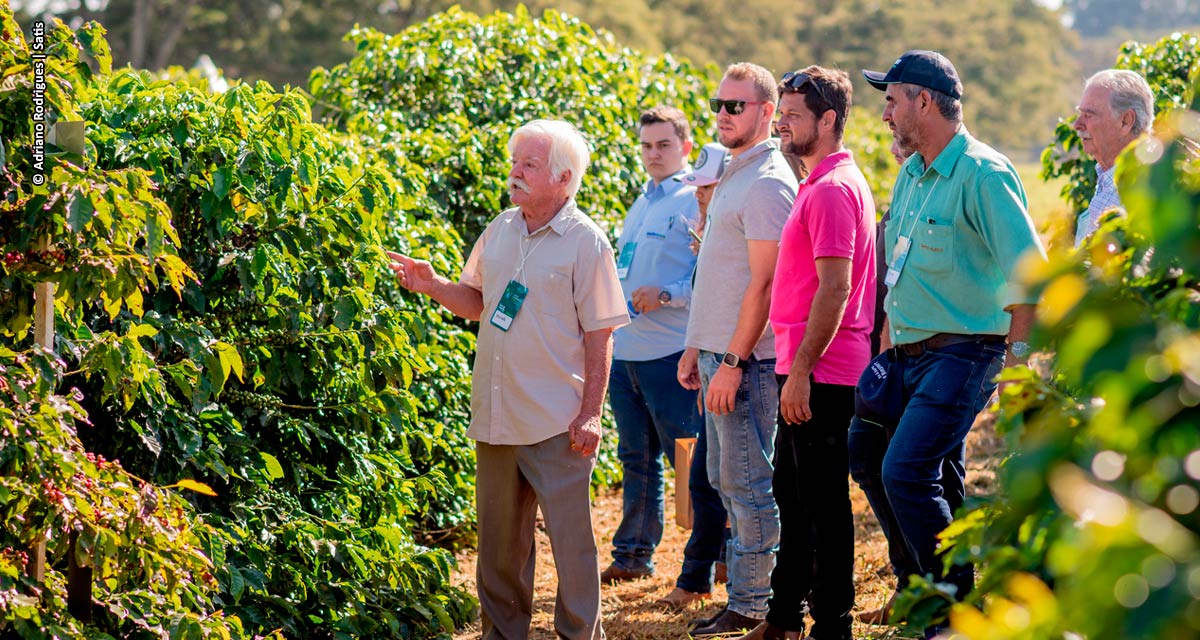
(666, 187)
(766, 146)
(558, 224)
(945, 161)
(829, 163)
(1105, 176)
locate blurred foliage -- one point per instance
(1095, 530)
(1166, 65)
(871, 142)
(1012, 55)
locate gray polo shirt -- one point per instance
(752, 202)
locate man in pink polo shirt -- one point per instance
(822, 309)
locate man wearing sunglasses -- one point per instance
(959, 228)
(731, 353)
(822, 304)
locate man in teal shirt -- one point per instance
(959, 228)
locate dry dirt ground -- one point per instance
(628, 608)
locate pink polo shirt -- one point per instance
(833, 217)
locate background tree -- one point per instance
(467, 82)
(1013, 54)
(1100, 17)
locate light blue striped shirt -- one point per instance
(1105, 198)
(656, 231)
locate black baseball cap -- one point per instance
(923, 68)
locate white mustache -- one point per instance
(517, 183)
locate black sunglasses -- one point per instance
(732, 107)
(799, 82)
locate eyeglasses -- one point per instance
(799, 81)
(732, 107)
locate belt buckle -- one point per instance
(913, 349)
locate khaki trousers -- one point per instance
(511, 482)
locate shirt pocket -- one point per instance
(658, 230)
(933, 247)
(551, 290)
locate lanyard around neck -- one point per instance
(916, 216)
(525, 254)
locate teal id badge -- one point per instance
(510, 304)
(626, 259)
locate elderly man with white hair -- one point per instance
(1116, 108)
(542, 283)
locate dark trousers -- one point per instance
(916, 479)
(652, 410)
(814, 570)
(706, 546)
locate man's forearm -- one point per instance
(1022, 322)
(1018, 331)
(461, 300)
(824, 319)
(824, 314)
(885, 336)
(752, 318)
(597, 359)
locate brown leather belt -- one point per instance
(940, 340)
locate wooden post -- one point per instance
(68, 136)
(43, 335)
(685, 448)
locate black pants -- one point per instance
(814, 569)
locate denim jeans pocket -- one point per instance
(967, 372)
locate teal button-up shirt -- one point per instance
(968, 222)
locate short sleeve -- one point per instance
(1003, 221)
(768, 204)
(472, 272)
(597, 290)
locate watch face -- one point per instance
(664, 296)
(1020, 349)
(730, 359)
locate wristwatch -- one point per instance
(1020, 348)
(664, 297)
(731, 359)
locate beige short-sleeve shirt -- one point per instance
(528, 381)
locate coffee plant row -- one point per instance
(289, 425)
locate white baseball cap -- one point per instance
(709, 166)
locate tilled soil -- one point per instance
(629, 612)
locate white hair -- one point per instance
(1128, 90)
(568, 149)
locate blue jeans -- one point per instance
(651, 410)
(741, 445)
(915, 475)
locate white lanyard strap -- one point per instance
(916, 216)
(525, 254)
